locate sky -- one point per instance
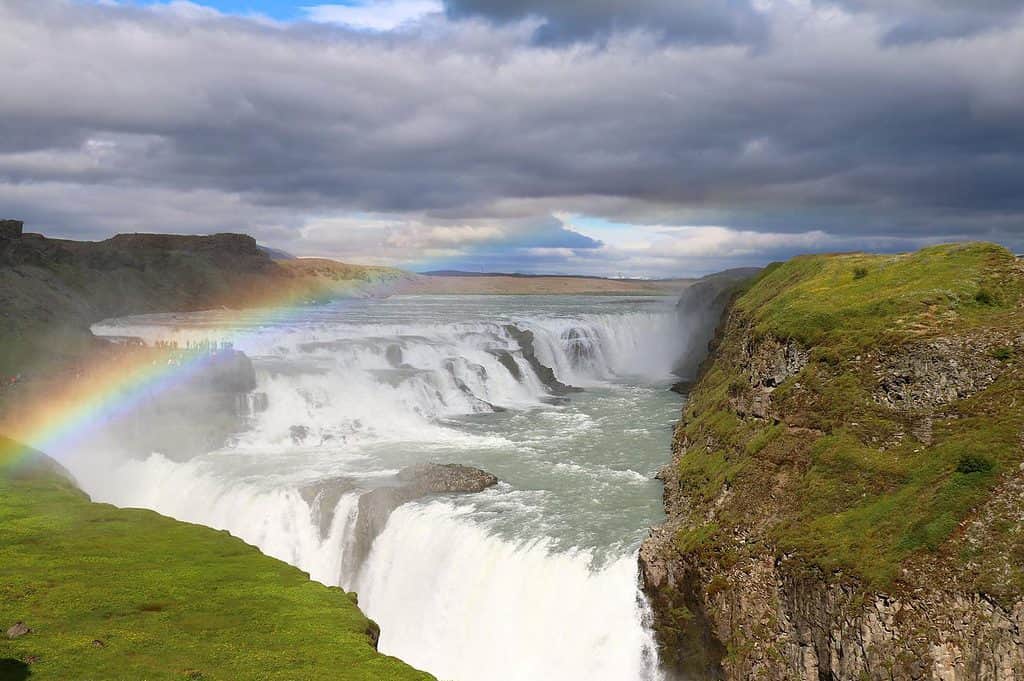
(647, 138)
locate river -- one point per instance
(534, 578)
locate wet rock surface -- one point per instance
(525, 339)
(435, 478)
(376, 505)
(323, 497)
(195, 415)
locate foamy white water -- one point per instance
(535, 578)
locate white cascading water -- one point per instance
(455, 590)
(510, 612)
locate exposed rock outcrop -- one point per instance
(845, 500)
(525, 339)
(11, 229)
(376, 505)
(322, 497)
(940, 371)
(700, 308)
(766, 363)
(451, 478)
(17, 630)
(52, 290)
(784, 620)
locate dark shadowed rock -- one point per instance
(298, 434)
(375, 508)
(11, 229)
(415, 482)
(322, 497)
(524, 337)
(373, 633)
(700, 310)
(230, 371)
(682, 387)
(393, 354)
(506, 360)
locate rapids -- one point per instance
(563, 398)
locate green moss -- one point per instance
(695, 538)
(843, 481)
(763, 438)
(866, 510)
(1002, 353)
(814, 299)
(163, 599)
(972, 463)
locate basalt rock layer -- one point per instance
(52, 290)
(846, 495)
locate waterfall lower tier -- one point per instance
(451, 596)
(465, 604)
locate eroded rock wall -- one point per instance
(742, 608)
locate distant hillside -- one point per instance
(276, 253)
(462, 273)
(52, 290)
(444, 282)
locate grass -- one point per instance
(842, 480)
(820, 300)
(128, 594)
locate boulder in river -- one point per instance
(323, 497)
(448, 478)
(415, 482)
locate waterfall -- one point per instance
(346, 402)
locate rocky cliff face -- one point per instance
(700, 307)
(52, 290)
(846, 495)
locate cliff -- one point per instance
(846, 495)
(95, 592)
(52, 290)
(91, 591)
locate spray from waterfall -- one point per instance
(499, 586)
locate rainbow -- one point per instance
(113, 384)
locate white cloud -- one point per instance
(374, 15)
(464, 138)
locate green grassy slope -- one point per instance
(836, 476)
(128, 594)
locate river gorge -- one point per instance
(565, 400)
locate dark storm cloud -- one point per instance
(466, 136)
(567, 21)
(923, 20)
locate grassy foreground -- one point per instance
(129, 594)
(838, 477)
